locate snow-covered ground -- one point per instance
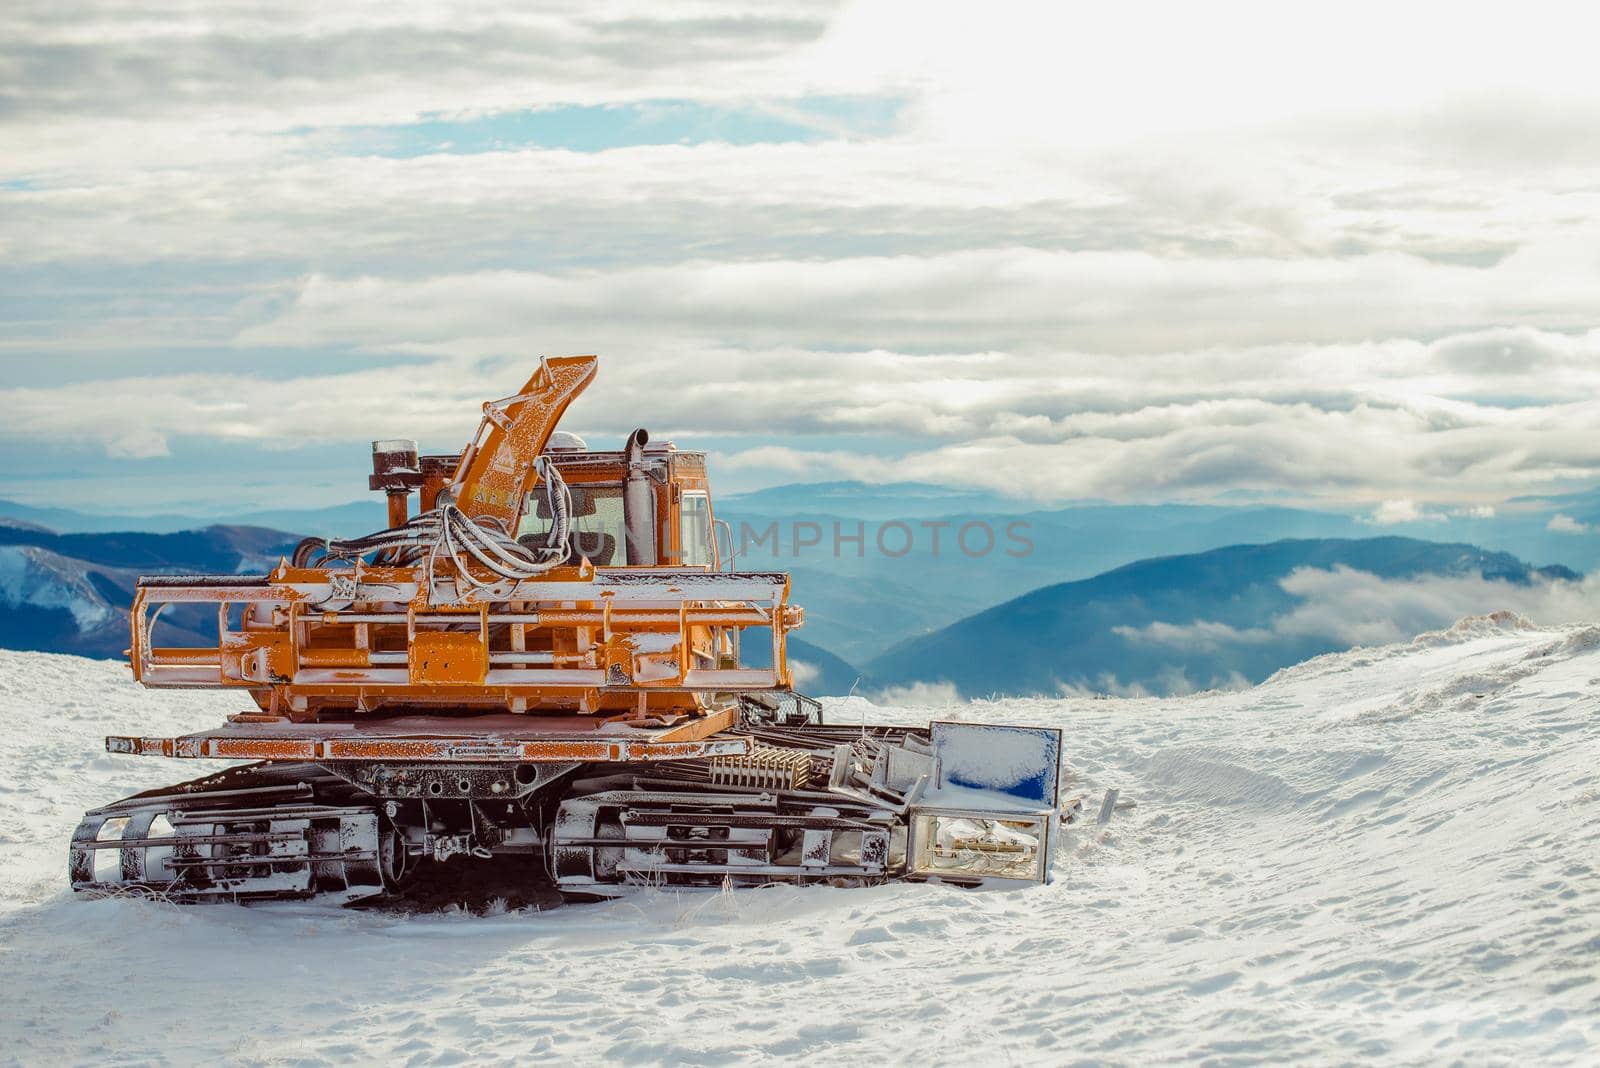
(1386, 854)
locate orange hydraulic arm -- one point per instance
(497, 470)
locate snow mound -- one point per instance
(1468, 628)
(1384, 854)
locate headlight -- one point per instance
(979, 845)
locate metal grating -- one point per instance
(764, 767)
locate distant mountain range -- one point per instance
(862, 605)
(1222, 617)
(867, 607)
(70, 593)
(343, 520)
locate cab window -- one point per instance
(694, 529)
(596, 530)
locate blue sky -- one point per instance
(599, 127)
(1042, 250)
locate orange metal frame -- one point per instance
(365, 643)
(369, 637)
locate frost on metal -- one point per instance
(1021, 762)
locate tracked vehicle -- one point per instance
(550, 658)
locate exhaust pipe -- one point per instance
(396, 471)
(639, 503)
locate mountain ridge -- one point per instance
(70, 593)
(1124, 629)
(1118, 631)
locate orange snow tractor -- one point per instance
(549, 658)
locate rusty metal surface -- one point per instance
(464, 748)
(528, 739)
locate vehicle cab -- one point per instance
(645, 505)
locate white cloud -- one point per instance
(1370, 289)
(1171, 681)
(1350, 607)
(368, 62)
(1150, 70)
(1015, 299)
(918, 695)
(134, 417)
(137, 444)
(1565, 524)
(1155, 69)
(1202, 634)
(1403, 510)
(1359, 608)
(804, 674)
(1336, 422)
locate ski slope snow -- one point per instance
(1383, 854)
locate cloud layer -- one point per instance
(1068, 267)
(1350, 607)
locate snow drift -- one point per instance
(1386, 853)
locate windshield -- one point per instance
(596, 529)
